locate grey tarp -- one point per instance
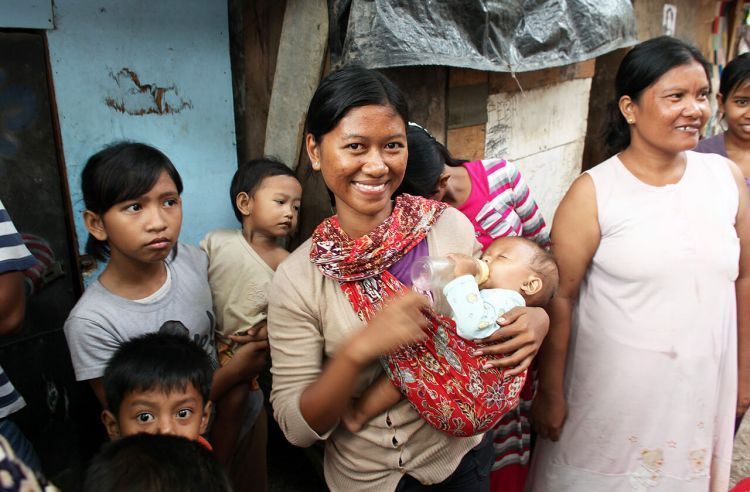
(490, 35)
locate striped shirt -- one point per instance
(14, 256)
(500, 203)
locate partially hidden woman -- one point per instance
(733, 100)
(323, 353)
(651, 247)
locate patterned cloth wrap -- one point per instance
(440, 377)
(16, 476)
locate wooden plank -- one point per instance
(316, 201)
(602, 92)
(467, 142)
(693, 22)
(506, 82)
(734, 30)
(298, 68)
(542, 131)
(467, 105)
(254, 49)
(464, 76)
(425, 89)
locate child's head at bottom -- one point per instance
(155, 463)
(158, 384)
(522, 265)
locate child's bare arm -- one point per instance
(12, 301)
(98, 388)
(247, 362)
(376, 399)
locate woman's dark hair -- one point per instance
(352, 86)
(119, 172)
(736, 72)
(251, 174)
(646, 63)
(155, 463)
(427, 159)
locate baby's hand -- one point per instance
(257, 333)
(249, 359)
(465, 265)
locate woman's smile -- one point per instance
(370, 188)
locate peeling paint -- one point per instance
(139, 99)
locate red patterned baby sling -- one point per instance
(440, 377)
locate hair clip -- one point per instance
(411, 123)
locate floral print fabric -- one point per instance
(449, 387)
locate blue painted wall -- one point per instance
(29, 14)
(150, 71)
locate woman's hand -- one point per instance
(548, 412)
(399, 323)
(522, 331)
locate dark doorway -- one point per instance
(60, 415)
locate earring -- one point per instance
(316, 165)
(630, 121)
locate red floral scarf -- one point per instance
(361, 265)
(441, 378)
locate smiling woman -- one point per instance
(356, 137)
(343, 296)
(653, 294)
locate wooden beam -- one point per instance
(298, 68)
(262, 22)
(467, 142)
(458, 77)
(506, 82)
(425, 88)
(734, 29)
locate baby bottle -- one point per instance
(432, 273)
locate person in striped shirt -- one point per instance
(498, 202)
(491, 192)
(14, 258)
